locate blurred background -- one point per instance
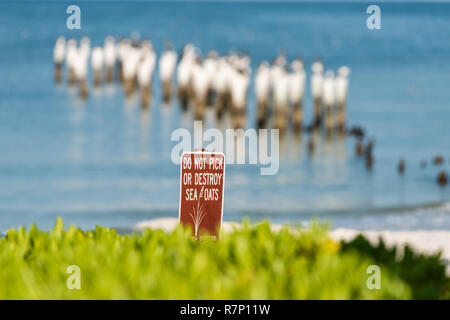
(104, 161)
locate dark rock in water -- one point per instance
(368, 152)
(369, 147)
(369, 161)
(359, 150)
(311, 145)
(401, 166)
(261, 123)
(442, 178)
(357, 132)
(423, 164)
(309, 128)
(438, 160)
(317, 123)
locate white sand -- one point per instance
(423, 241)
(168, 224)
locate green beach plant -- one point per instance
(425, 274)
(251, 262)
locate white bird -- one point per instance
(329, 99)
(239, 88)
(316, 91)
(167, 64)
(146, 69)
(222, 82)
(200, 88)
(262, 91)
(341, 95)
(71, 56)
(317, 79)
(222, 85)
(262, 83)
(211, 67)
(85, 47)
(200, 82)
(123, 49)
(130, 67)
(280, 89)
(342, 84)
(297, 81)
(130, 64)
(80, 66)
(145, 75)
(97, 59)
(329, 90)
(110, 57)
(185, 74)
(280, 92)
(59, 52)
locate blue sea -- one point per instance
(104, 161)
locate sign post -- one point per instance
(202, 177)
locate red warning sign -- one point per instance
(201, 192)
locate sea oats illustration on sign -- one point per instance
(197, 215)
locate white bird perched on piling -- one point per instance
(262, 92)
(329, 100)
(82, 65)
(85, 47)
(278, 65)
(341, 96)
(185, 74)
(110, 57)
(280, 85)
(145, 75)
(238, 83)
(97, 59)
(316, 91)
(211, 67)
(71, 56)
(239, 88)
(222, 84)
(130, 67)
(280, 60)
(145, 47)
(123, 49)
(243, 63)
(167, 64)
(59, 52)
(200, 88)
(80, 68)
(296, 91)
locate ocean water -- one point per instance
(103, 161)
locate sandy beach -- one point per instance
(428, 242)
